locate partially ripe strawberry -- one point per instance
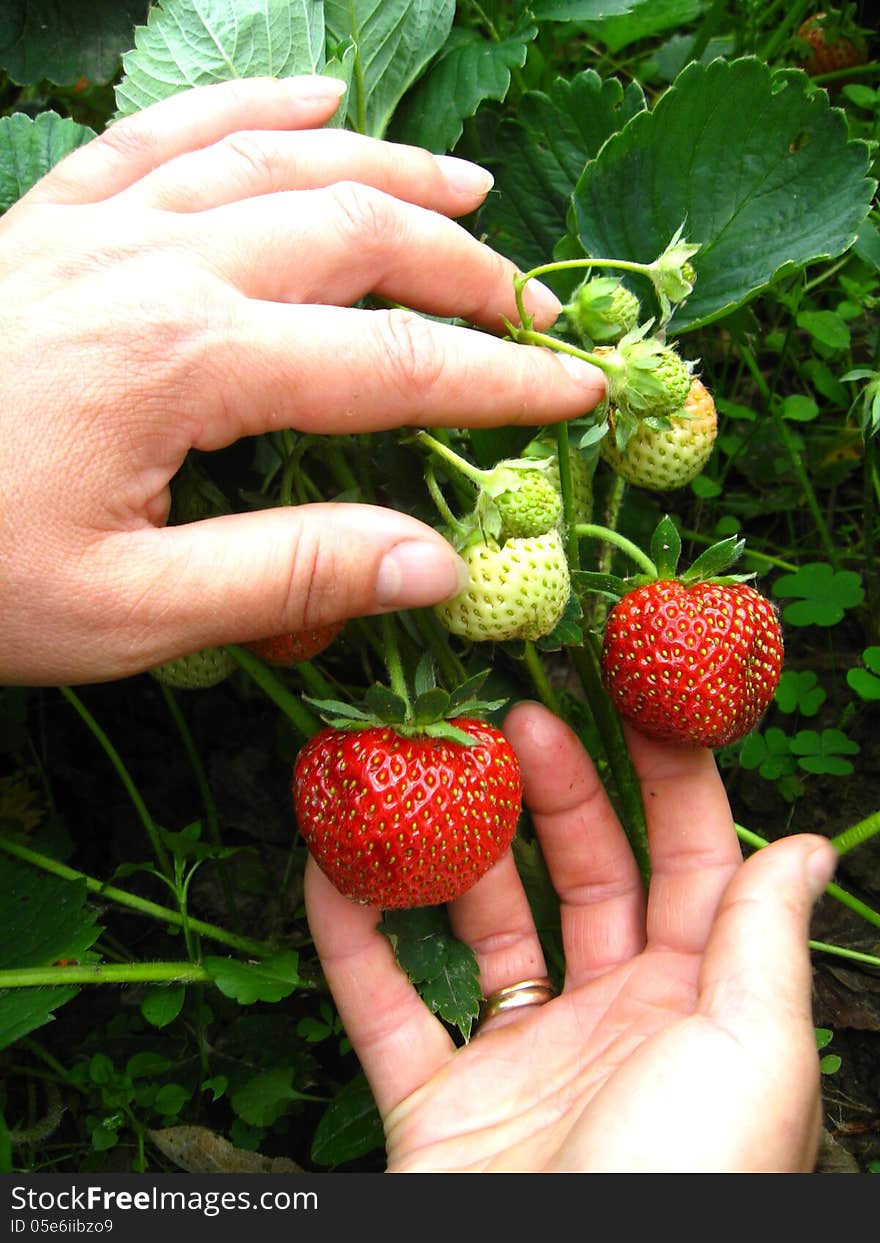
(662, 455)
(692, 663)
(830, 41)
(517, 590)
(196, 671)
(295, 647)
(398, 822)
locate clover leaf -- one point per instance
(821, 594)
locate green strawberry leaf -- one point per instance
(29, 147)
(471, 69)
(350, 1127)
(64, 42)
(273, 979)
(567, 632)
(455, 993)
(800, 195)
(395, 41)
(666, 547)
(195, 42)
(537, 158)
(822, 594)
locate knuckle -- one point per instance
(365, 215)
(248, 155)
(131, 139)
(412, 355)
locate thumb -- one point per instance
(756, 976)
(247, 576)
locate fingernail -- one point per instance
(541, 302)
(465, 177)
(316, 86)
(414, 574)
(582, 372)
(821, 866)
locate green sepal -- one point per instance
(666, 547)
(715, 560)
(386, 705)
(338, 710)
(476, 707)
(469, 689)
(444, 729)
(430, 706)
(425, 677)
(603, 584)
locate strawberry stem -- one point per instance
(295, 711)
(449, 455)
(393, 662)
(439, 500)
(856, 834)
(584, 530)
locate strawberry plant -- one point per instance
(702, 200)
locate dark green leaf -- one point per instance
(580, 10)
(30, 147)
(425, 678)
(385, 704)
(420, 938)
(469, 689)
(261, 1101)
(471, 69)
(800, 194)
(455, 993)
(161, 1006)
(827, 327)
(350, 1127)
(65, 40)
(567, 632)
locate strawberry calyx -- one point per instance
(429, 712)
(662, 564)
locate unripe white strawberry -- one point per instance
(517, 590)
(645, 377)
(662, 455)
(531, 506)
(580, 472)
(602, 309)
(197, 671)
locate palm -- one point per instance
(684, 1026)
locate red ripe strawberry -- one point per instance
(398, 821)
(830, 41)
(693, 663)
(295, 647)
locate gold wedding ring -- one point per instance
(536, 992)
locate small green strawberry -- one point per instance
(517, 590)
(517, 498)
(664, 454)
(196, 671)
(645, 377)
(580, 472)
(602, 309)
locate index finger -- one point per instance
(135, 145)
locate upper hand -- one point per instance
(186, 279)
(683, 1038)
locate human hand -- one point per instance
(683, 1038)
(186, 279)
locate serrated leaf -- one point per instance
(42, 918)
(646, 20)
(800, 191)
(272, 979)
(537, 158)
(194, 42)
(350, 1127)
(395, 41)
(64, 41)
(29, 147)
(471, 70)
(455, 993)
(420, 938)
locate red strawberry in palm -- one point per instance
(411, 814)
